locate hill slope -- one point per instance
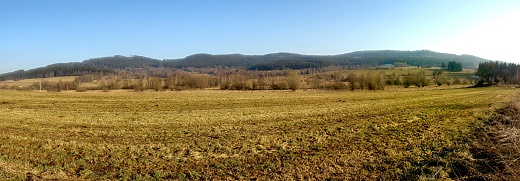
(252, 62)
(359, 58)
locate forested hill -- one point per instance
(253, 62)
(296, 61)
(234, 60)
(122, 62)
(414, 58)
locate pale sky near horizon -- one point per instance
(36, 33)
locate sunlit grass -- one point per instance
(29, 82)
(239, 135)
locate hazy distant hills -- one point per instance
(252, 62)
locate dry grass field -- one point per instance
(29, 82)
(401, 134)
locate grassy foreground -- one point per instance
(389, 135)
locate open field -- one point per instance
(388, 135)
(29, 82)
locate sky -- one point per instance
(36, 33)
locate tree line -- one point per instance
(491, 73)
(329, 78)
(452, 66)
(326, 78)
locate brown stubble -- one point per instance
(211, 134)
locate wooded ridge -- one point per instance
(275, 61)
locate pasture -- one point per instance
(228, 135)
(29, 82)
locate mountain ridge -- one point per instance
(280, 60)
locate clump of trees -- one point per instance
(369, 81)
(452, 66)
(175, 82)
(418, 80)
(394, 79)
(55, 86)
(440, 79)
(491, 73)
(256, 80)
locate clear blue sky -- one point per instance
(35, 33)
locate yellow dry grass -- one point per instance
(228, 135)
(29, 82)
